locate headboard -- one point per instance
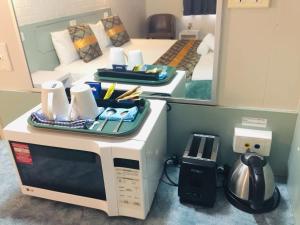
(37, 41)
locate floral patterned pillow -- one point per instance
(115, 30)
(85, 42)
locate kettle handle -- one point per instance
(257, 183)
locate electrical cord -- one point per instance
(220, 172)
(166, 173)
(223, 171)
(165, 182)
(175, 162)
(169, 107)
(278, 198)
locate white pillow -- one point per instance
(209, 40)
(101, 36)
(64, 47)
(106, 37)
(203, 49)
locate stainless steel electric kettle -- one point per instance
(250, 185)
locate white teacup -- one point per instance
(83, 104)
(135, 58)
(117, 56)
(55, 104)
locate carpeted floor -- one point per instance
(18, 209)
(198, 89)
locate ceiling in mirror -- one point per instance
(70, 40)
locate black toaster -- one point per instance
(198, 171)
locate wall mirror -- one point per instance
(184, 34)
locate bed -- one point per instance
(152, 50)
(204, 68)
(42, 56)
(195, 82)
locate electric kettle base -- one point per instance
(245, 206)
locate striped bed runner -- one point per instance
(182, 55)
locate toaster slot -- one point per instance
(198, 170)
(208, 147)
(193, 151)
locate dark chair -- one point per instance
(161, 26)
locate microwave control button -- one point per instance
(136, 203)
(129, 187)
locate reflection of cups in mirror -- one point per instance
(54, 100)
(135, 58)
(117, 56)
(83, 104)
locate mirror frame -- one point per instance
(216, 66)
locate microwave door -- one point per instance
(62, 170)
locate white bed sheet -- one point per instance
(152, 50)
(204, 68)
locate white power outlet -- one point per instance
(248, 3)
(5, 63)
(258, 141)
(73, 22)
(105, 14)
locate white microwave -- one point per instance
(117, 175)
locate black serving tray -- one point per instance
(134, 77)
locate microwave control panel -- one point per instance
(128, 183)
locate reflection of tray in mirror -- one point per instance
(134, 77)
(127, 127)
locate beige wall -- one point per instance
(206, 24)
(19, 78)
(260, 56)
(14, 103)
(132, 13)
(32, 11)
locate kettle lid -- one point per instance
(250, 157)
